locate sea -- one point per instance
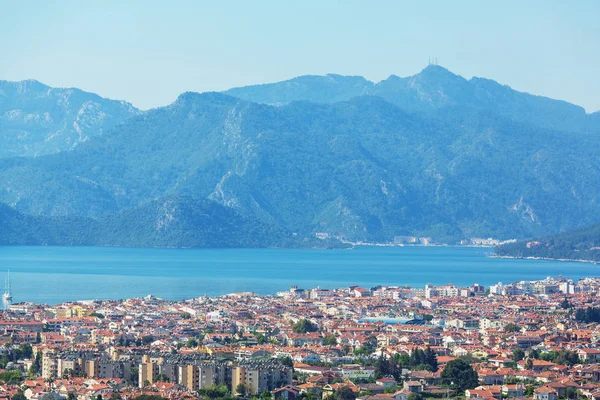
(53, 275)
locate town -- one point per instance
(528, 339)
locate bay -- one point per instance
(57, 274)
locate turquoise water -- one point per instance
(55, 274)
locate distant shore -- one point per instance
(545, 259)
(368, 244)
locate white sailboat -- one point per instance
(7, 295)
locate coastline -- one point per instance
(544, 259)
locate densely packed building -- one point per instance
(534, 339)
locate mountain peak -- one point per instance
(24, 86)
(432, 88)
(38, 119)
(436, 68)
(392, 78)
(437, 72)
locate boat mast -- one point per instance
(7, 296)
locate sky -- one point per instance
(148, 52)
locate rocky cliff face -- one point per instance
(36, 119)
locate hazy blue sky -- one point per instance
(148, 52)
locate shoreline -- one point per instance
(544, 259)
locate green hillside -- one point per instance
(168, 222)
(439, 156)
(581, 244)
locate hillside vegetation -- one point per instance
(581, 244)
(431, 155)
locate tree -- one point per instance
(146, 340)
(134, 375)
(518, 354)
(529, 391)
(590, 314)
(511, 327)
(534, 353)
(422, 367)
(265, 395)
(382, 367)
(415, 396)
(304, 326)
(186, 315)
(461, 374)
(368, 347)
(25, 351)
(215, 392)
(417, 357)
(308, 396)
(260, 338)
(287, 361)
(11, 377)
(115, 396)
(19, 396)
(567, 357)
(241, 390)
(564, 357)
(192, 343)
(571, 393)
(431, 359)
(402, 359)
(529, 363)
(344, 393)
(391, 389)
(329, 340)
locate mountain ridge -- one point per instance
(413, 157)
(36, 119)
(415, 94)
(363, 168)
(171, 221)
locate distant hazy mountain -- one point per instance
(364, 168)
(433, 88)
(330, 88)
(581, 244)
(168, 222)
(36, 119)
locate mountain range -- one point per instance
(430, 155)
(433, 88)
